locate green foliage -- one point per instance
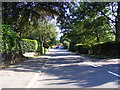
(10, 42)
(45, 33)
(39, 49)
(66, 44)
(28, 45)
(1, 40)
(87, 28)
(83, 49)
(71, 47)
(25, 17)
(106, 49)
(64, 38)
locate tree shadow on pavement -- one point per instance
(31, 65)
(80, 75)
(69, 67)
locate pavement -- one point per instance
(20, 75)
(62, 69)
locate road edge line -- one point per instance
(35, 77)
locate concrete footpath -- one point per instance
(21, 75)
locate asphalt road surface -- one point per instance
(62, 69)
(67, 70)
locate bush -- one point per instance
(9, 42)
(66, 44)
(29, 45)
(72, 47)
(9, 45)
(107, 49)
(39, 49)
(1, 40)
(83, 49)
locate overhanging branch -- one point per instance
(107, 17)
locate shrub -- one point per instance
(83, 49)
(39, 49)
(66, 44)
(9, 41)
(107, 49)
(29, 45)
(1, 40)
(9, 45)
(72, 47)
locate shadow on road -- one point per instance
(72, 71)
(67, 66)
(80, 75)
(31, 65)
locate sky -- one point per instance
(57, 28)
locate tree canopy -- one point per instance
(92, 22)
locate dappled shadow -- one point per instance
(35, 64)
(67, 66)
(31, 65)
(65, 60)
(70, 67)
(80, 75)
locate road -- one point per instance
(62, 69)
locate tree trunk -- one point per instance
(117, 26)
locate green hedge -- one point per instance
(28, 45)
(39, 49)
(107, 49)
(1, 40)
(66, 44)
(9, 42)
(72, 46)
(83, 49)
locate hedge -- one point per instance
(9, 42)
(39, 49)
(72, 47)
(66, 44)
(83, 49)
(28, 45)
(107, 49)
(1, 41)
(9, 46)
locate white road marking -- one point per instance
(107, 71)
(33, 80)
(36, 76)
(113, 73)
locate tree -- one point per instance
(21, 15)
(45, 33)
(111, 11)
(27, 17)
(87, 28)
